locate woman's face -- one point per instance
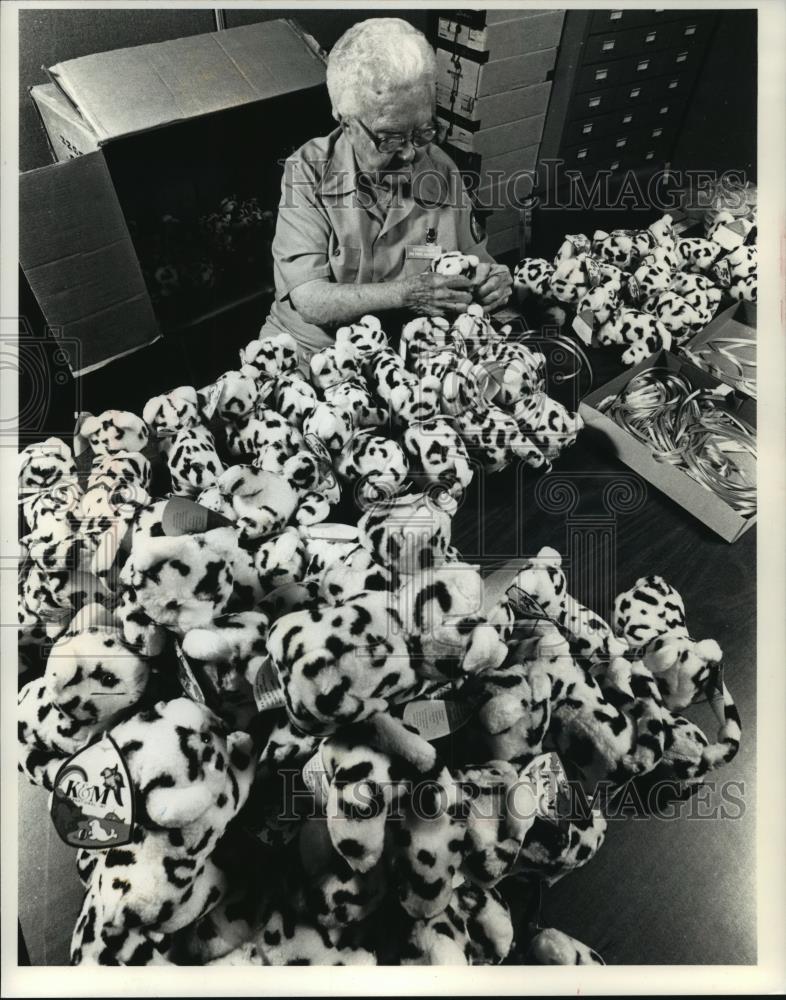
(401, 112)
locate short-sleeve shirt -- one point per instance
(332, 226)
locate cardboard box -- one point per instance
(170, 124)
(739, 322)
(487, 112)
(481, 18)
(529, 32)
(462, 81)
(497, 140)
(709, 508)
(67, 132)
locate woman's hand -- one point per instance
(431, 294)
(492, 285)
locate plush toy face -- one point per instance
(651, 279)
(260, 502)
(362, 339)
(698, 254)
(425, 335)
(407, 534)
(273, 355)
(374, 465)
(193, 461)
(236, 396)
(355, 400)
(267, 430)
(341, 664)
(328, 368)
(547, 423)
(333, 427)
(616, 248)
(495, 436)
(533, 274)
(571, 279)
(436, 450)
(183, 581)
(474, 329)
(115, 430)
(165, 415)
(456, 264)
(644, 334)
(44, 465)
(454, 633)
(676, 315)
(293, 398)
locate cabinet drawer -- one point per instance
(585, 130)
(690, 31)
(631, 17)
(669, 89)
(631, 148)
(632, 42)
(599, 76)
(592, 102)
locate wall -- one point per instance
(47, 37)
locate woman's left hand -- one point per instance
(493, 285)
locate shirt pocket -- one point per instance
(344, 263)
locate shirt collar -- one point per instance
(340, 175)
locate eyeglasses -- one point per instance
(393, 143)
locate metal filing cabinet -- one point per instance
(622, 83)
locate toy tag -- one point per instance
(92, 804)
(315, 779)
(182, 516)
(573, 245)
(187, 677)
(594, 273)
(435, 719)
(582, 327)
(331, 531)
(722, 271)
(550, 785)
(525, 608)
(634, 289)
(324, 462)
(81, 444)
(212, 395)
(268, 693)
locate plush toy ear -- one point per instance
(207, 645)
(485, 651)
(500, 713)
(176, 807)
(709, 650)
(89, 426)
(663, 654)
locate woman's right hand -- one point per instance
(430, 294)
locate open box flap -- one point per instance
(132, 90)
(77, 254)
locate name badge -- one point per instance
(423, 251)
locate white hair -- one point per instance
(375, 57)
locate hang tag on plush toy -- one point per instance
(551, 787)
(436, 718)
(721, 271)
(186, 517)
(187, 677)
(92, 804)
(268, 693)
(582, 327)
(573, 245)
(212, 395)
(634, 290)
(331, 531)
(315, 779)
(81, 443)
(324, 460)
(525, 608)
(594, 273)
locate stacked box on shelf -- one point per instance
(492, 94)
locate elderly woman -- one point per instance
(365, 209)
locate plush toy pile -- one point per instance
(644, 290)
(343, 747)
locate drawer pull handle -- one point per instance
(649, 156)
(664, 110)
(635, 92)
(657, 132)
(601, 74)
(614, 165)
(690, 30)
(615, 15)
(621, 143)
(682, 56)
(644, 64)
(582, 153)
(594, 102)
(608, 45)
(586, 129)
(673, 84)
(627, 119)
(650, 37)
